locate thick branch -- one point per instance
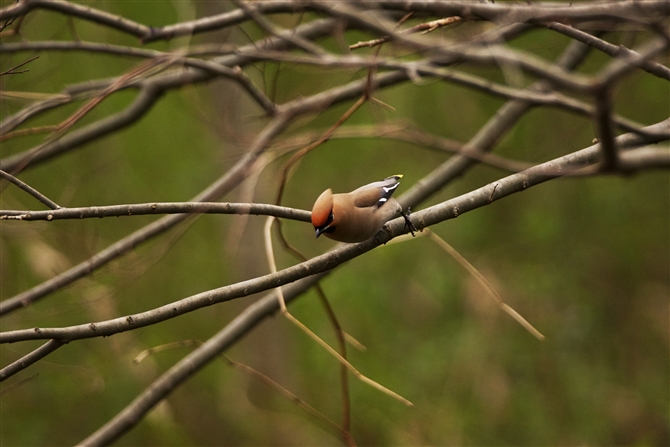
(430, 216)
(142, 103)
(269, 304)
(169, 80)
(223, 184)
(488, 135)
(639, 11)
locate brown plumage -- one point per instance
(358, 215)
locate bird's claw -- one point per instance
(408, 223)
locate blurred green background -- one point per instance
(586, 261)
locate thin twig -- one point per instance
(304, 151)
(30, 190)
(269, 27)
(19, 383)
(142, 209)
(340, 335)
(422, 28)
(289, 395)
(248, 370)
(30, 358)
(12, 70)
(284, 311)
(616, 51)
(25, 132)
(484, 283)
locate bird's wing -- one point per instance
(375, 194)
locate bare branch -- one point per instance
(143, 102)
(251, 10)
(488, 135)
(445, 54)
(644, 158)
(28, 359)
(12, 70)
(450, 209)
(605, 133)
(420, 28)
(76, 10)
(269, 304)
(616, 51)
(628, 61)
(30, 190)
(223, 184)
(166, 81)
(141, 209)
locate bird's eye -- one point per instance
(330, 219)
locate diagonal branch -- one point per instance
(268, 305)
(30, 190)
(29, 359)
(616, 51)
(219, 187)
(433, 215)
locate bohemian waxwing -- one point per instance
(360, 214)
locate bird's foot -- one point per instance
(408, 223)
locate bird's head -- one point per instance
(322, 213)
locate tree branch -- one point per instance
(616, 51)
(269, 304)
(450, 209)
(141, 209)
(30, 190)
(27, 360)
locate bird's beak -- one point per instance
(318, 232)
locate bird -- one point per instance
(360, 214)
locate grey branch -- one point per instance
(29, 359)
(430, 216)
(141, 209)
(269, 304)
(30, 190)
(616, 51)
(223, 184)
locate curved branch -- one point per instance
(76, 10)
(167, 81)
(145, 99)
